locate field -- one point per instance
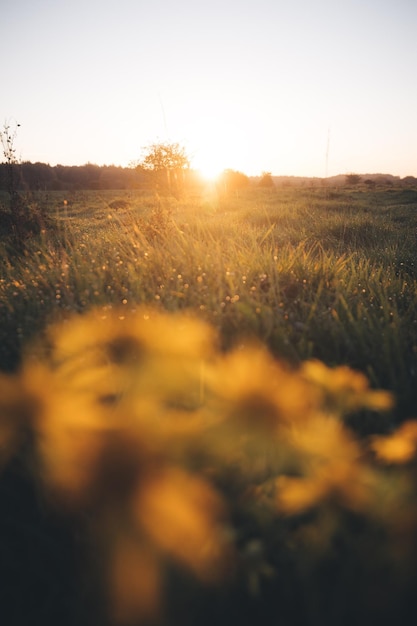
(314, 286)
(312, 273)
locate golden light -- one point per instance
(208, 164)
(216, 147)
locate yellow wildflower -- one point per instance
(399, 447)
(344, 390)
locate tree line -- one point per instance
(45, 177)
(164, 166)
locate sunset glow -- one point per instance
(208, 163)
(292, 88)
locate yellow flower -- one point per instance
(174, 516)
(344, 390)
(114, 399)
(400, 447)
(258, 391)
(184, 516)
(349, 486)
(139, 355)
(125, 337)
(123, 404)
(329, 459)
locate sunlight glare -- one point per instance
(216, 148)
(208, 164)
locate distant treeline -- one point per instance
(41, 176)
(44, 177)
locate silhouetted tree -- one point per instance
(371, 184)
(7, 138)
(409, 181)
(266, 180)
(166, 163)
(37, 176)
(23, 218)
(232, 181)
(353, 179)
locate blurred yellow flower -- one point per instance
(184, 516)
(258, 391)
(344, 390)
(116, 397)
(125, 337)
(399, 447)
(331, 467)
(322, 439)
(352, 487)
(122, 405)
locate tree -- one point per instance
(166, 163)
(7, 138)
(24, 218)
(231, 181)
(266, 180)
(370, 183)
(409, 181)
(353, 179)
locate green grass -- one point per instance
(311, 272)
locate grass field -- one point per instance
(215, 435)
(318, 273)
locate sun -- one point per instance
(217, 147)
(211, 154)
(208, 165)
(209, 174)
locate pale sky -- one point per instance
(301, 87)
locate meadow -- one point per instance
(206, 409)
(312, 273)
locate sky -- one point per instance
(296, 87)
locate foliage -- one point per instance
(165, 156)
(166, 162)
(353, 179)
(24, 220)
(7, 138)
(371, 184)
(266, 180)
(231, 181)
(44, 177)
(21, 218)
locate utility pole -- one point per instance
(327, 152)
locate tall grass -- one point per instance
(310, 275)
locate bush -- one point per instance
(23, 220)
